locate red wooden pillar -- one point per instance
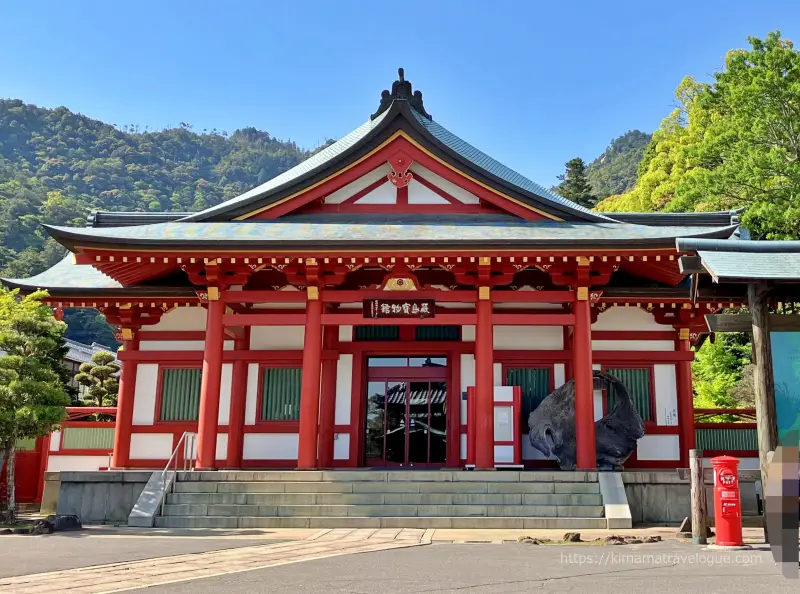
(127, 386)
(567, 347)
(238, 404)
(484, 381)
(210, 387)
(309, 390)
(685, 398)
(327, 412)
(584, 382)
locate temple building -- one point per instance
(338, 315)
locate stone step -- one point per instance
(384, 498)
(477, 522)
(387, 487)
(390, 476)
(370, 511)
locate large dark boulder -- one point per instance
(552, 426)
(62, 523)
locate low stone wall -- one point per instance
(98, 497)
(662, 497)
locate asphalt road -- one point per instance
(494, 568)
(20, 555)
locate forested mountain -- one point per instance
(57, 166)
(614, 172)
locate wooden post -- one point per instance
(484, 382)
(309, 383)
(327, 407)
(699, 506)
(127, 387)
(584, 382)
(210, 384)
(764, 384)
(238, 403)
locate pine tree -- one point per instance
(99, 376)
(575, 184)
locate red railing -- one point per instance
(729, 431)
(77, 413)
(724, 415)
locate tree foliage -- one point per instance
(575, 185)
(614, 172)
(32, 376)
(731, 143)
(100, 378)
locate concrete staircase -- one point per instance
(385, 499)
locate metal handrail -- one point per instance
(189, 442)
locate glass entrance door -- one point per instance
(406, 421)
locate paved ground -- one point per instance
(177, 568)
(20, 555)
(502, 568)
(250, 561)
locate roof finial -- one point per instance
(401, 91)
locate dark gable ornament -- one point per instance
(401, 91)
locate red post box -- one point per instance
(727, 501)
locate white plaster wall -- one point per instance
(151, 446)
(64, 463)
(627, 318)
(504, 454)
(359, 184)
(275, 338)
(182, 318)
(271, 446)
(144, 398)
(251, 399)
(559, 375)
(222, 446)
(467, 381)
(225, 394)
(385, 194)
(666, 389)
(633, 345)
(468, 334)
(528, 338)
(598, 397)
(455, 191)
(344, 389)
(462, 442)
(419, 194)
(341, 446)
(659, 447)
(345, 334)
(55, 441)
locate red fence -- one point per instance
(84, 433)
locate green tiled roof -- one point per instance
(66, 274)
(361, 135)
(282, 235)
(744, 265)
(485, 162)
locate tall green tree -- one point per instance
(100, 378)
(575, 184)
(733, 143)
(32, 388)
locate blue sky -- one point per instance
(531, 83)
